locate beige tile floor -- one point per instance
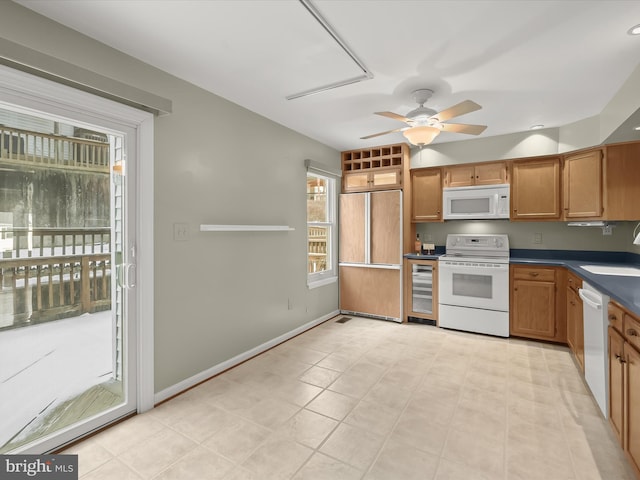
(369, 399)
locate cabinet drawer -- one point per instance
(632, 330)
(539, 274)
(615, 315)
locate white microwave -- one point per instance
(478, 202)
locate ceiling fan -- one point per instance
(425, 124)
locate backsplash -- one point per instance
(537, 235)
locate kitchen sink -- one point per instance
(612, 270)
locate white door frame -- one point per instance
(32, 92)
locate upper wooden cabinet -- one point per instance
(475, 174)
(426, 195)
(622, 181)
(583, 185)
(379, 168)
(535, 189)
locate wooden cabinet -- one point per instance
(535, 189)
(475, 174)
(622, 181)
(575, 320)
(616, 383)
(371, 291)
(534, 311)
(426, 195)
(366, 181)
(379, 168)
(370, 253)
(583, 185)
(624, 382)
(632, 407)
(421, 289)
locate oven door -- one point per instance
(475, 285)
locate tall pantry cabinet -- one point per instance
(372, 220)
(370, 253)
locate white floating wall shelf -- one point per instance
(246, 228)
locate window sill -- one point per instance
(322, 282)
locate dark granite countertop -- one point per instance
(623, 289)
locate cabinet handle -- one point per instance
(632, 333)
(612, 317)
(572, 303)
(534, 274)
(620, 359)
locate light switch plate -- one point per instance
(180, 232)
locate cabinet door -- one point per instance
(352, 227)
(385, 179)
(533, 309)
(354, 182)
(491, 173)
(369, 290)
(583, 185)
(426, 193)
(572, 305)
(459, 176)
(616, 384)
(535, 190)
(632, 406)
(622, 182)
(385, 224)
(575, 326)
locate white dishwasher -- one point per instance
(596, 357)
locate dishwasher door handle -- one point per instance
(588, 298)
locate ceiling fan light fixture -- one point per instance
(421, 135)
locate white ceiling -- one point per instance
(525, 62)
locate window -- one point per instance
(321, 229)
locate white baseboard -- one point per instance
(232, 362)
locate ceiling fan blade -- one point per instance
(383, 133)
(395, 116)
(463, 128)
(460, 109)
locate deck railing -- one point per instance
(24, 147)
(40, 242)
(47, 288)
(49, 273)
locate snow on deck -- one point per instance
(43, 365)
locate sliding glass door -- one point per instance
(67, 275)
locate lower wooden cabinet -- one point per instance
(632, 407)
(624, 383)
(371, 291)
(575, 320)
(537, 309)
(616, 383)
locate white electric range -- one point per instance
(474, 284)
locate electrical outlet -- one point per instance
(537, 238)
(180, 232)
